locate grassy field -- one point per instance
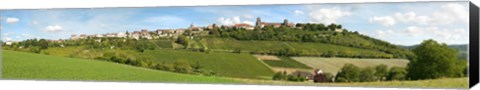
(225, 64)
(332, 65)
(458, 83)
(265, 46)
(21, 65)
(163, 43)
(286, 62)
(64, 52)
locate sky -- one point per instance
(398, 23)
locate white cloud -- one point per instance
(383, 33)
(414, 31)
(327, 15)
(446, 14)
(53, 28)
(451, 13)
(232, 21)
(412, 17)
(12, 20)
(7, 39)
(419, 33)
(298, 12)
(385, 20)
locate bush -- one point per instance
(348, 73)
(196, 67)
(381, 72)
(368, 75)
(396, 73)
(182, 66)
(280, 76)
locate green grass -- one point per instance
(458, 83)
(332, 65)
(21, 65)
(163, 43)
(307, 48)
(63, 51)
(224, 64)
(286, 62)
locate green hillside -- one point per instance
(286, 62)
(332, 65)
(224, 64)
(21, 65)
(303, 48)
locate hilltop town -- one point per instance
(174, 33)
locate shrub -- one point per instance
(182, 66)
(280, 76)
(196, 67)
(396, 73)
(381, 72)
(348, 73)
(367, 75)
(168, 67)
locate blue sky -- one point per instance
(398, 23)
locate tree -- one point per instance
(381, 71)
(433, 60)
(396, 73)
(367, 75)
(348, 73)
(182, 40)
(182, 66)
(43, 44)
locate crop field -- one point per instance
(286, 62)
(225, 64)
(454, 83)
(305, 47)
(332, 65)
(21, 65)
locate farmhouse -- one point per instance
(319, 76)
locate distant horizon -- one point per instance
(397, 23)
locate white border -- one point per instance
(42, 4)
(81, 85)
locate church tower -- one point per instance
(259, 22)
(285, 22)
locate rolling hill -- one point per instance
(304, 48)
(332, 65)
(462, 50)
(225, 64)
(21, 65)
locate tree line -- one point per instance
(433, 60)
(313, 33)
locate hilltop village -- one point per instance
(174, 33)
